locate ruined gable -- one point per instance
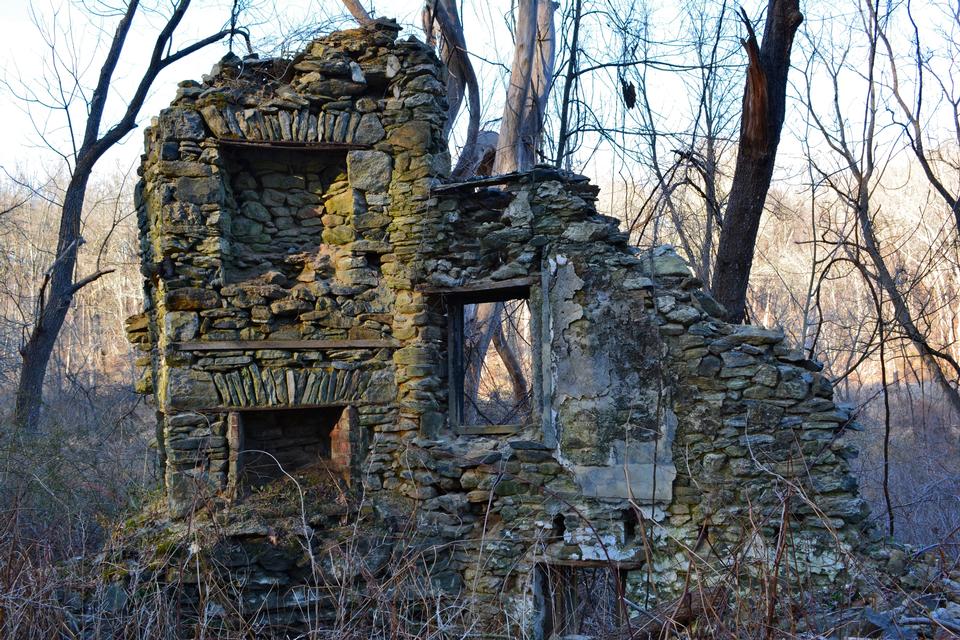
(306, 258)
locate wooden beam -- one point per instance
(624, 565)
(485, 290)
(538, 174)
(290, 345)
(271, 407)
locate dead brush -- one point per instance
(384, 580)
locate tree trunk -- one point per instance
(53, 306)
(541, 79)
(478, 332)
(55, 295)
(508, 354)
(357, 11)
(764, 104)
(529, 86)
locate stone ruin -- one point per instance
(307, 268)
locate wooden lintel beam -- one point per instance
(626, 565)
(289, 345)
(538, 174)
(489, 430)
(485, 290)
(277, 407)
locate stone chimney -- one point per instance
(281, 211)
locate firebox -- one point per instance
(269, 444)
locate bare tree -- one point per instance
(855, 175)
(914, 119)
(764, 105)
(688, 163)
(89, 143)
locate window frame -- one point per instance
(455, 299)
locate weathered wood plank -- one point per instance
(536, 174)
(291, 345)
(485, 290)
(588, 564)
(235, 408)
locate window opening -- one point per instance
(491, 361)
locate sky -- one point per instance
(25, 63)
(24, 59)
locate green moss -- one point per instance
(114, 572)
(216, 99)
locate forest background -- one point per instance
(857, 257)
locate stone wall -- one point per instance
(303, 248)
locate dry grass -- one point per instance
(357, 583)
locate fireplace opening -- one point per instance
(270, 444)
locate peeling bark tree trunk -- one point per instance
(520, 132)
(440, 18)
(764, 104)
(530, 77)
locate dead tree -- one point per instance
(61, 282)
(764, 105)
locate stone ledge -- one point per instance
(291, 145)
(489, 430)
